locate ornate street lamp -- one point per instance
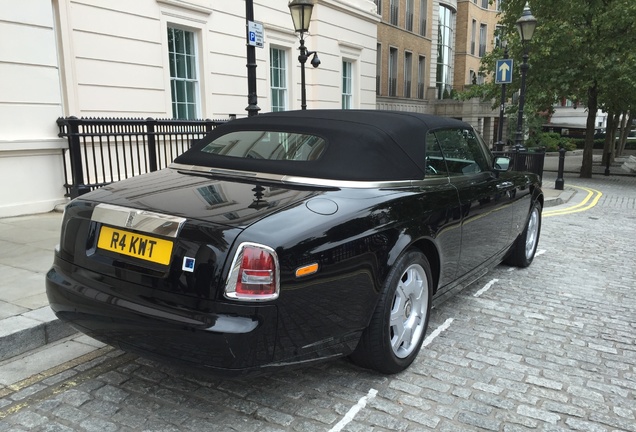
(525, 26)
(301, 16)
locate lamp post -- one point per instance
(301, 16)
(525, 26)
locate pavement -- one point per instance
(26, 253)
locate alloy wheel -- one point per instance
(408, 311)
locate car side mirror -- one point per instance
(501, 164)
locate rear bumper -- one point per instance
(220, 337)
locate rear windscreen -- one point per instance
(269, 145)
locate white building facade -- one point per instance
(160, 59)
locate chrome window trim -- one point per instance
(306, 181)
(139, 220)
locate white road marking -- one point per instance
(539, 252)
(486, 287)
(437, 332)
(354, 410)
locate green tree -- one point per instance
(581, 50)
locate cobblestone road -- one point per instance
(551, 348)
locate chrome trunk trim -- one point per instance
(282, 178)
(139, 220)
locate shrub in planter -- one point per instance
(551, 141)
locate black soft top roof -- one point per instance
(362, 145)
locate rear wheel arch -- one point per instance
(428, 248)
(396, 331)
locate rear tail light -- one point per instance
(254, 274)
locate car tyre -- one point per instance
(397, 328)
(525, 246)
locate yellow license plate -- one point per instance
(135, 245)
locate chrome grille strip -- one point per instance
(139, 220)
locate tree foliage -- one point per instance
(583, 50)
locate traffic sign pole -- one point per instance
(252, 98)
(502, 106)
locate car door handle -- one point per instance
(505, 185)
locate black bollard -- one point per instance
(558, 184)
(607, 164)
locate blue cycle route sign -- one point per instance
(503, 71)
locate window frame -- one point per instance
(444, 62)
(481, 158)
(378, 4)
(408, 74)
(393, 66)
(378, 69)
(347, 81)
(394, 12)
(191, 64)
(483, 39)
(473, 37)
(423, 16)
(409, 15)
(421, 77)
(282, 73)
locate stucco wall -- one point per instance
(108, 58)
(31, 172)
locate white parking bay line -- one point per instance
(354, 410)
(437, 332)
(486, 287)
(373, 392)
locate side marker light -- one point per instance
(307, 270)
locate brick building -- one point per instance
(428, 50)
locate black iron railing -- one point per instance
(104, 150)
(525, 160)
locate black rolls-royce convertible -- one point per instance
(293, 237)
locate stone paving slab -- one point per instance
(36, 361)
(26, 253)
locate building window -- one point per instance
(394, 11)
(483, 31)
(484, 4)
(409, 15)
(408, 73)
(347, 85)
(444, 63)
(498, 4)
(393, 63)
(184, 84)
(278, 78)
(378, 3)
(472, 77)
(378, 68)
(499, 33)
(421, 76)
(423, 15)
(473, 37)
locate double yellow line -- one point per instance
(590, 201)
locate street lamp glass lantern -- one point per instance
(301, 14)
(526, 24)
